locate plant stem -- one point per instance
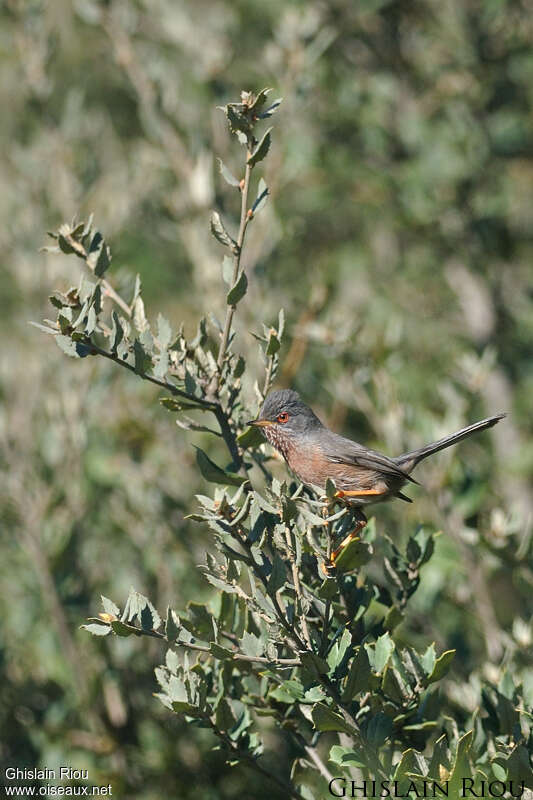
(297, 587)
(236, 263)
(200, 648)
(286, 786)
(325, 627)
(268, 375)
(170, 387)
(108, 289)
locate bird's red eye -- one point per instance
(283, 417)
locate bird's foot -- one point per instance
(329, 566)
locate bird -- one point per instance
(362, 476)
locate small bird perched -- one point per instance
(314, 453)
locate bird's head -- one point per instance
(284, 416)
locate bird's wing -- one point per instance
(344, 451)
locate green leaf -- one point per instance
(259, 101)
(261, 149)
(461, 768)
(377, 730)
(251, 645)
(499, 772)
(358, 676)
(287, 692)
(346, 757)
(228, 176)
(428, 658)
(273, 344)
(324, 719)
(220, 233)
(225, 718)
(380, 653)
(117, 331)
(99, 256)
(328, 590)
(356, 554)
(213, 473)
(439, 758)
(338, 651)
(238, 290)
(238, 121)
(251, 437)
(143, 361)
(442, 665)
(222, 653)
(518, 766)
(278, 575)
(240, 366)
(64, 245)
(314, 663)
(393, 618)
(121, 629)
(172, 626)
(410, 762)
(394, 686)
(149, 618)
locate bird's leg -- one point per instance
(361, 523)
(329, 567)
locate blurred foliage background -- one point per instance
(398, 240)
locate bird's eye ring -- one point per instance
(283, 417)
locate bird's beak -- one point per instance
(259, 423)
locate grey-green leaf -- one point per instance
(213, 473)
(238, 290)
(227, 270)
(442, 665)
(96, 629)
(219, 231)
(261, 149)
(277, 576)
(324, 719)
(228, 176)
(260, 200)
(99, 256)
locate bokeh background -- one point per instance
(399, 240)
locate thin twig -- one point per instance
(297, 587)
(170, 387)
(268, 375)
(80, 251)
(325, 628)
(201, 648)
(314, 756)
(236, 262)
(286, 786)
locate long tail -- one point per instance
(408, 461)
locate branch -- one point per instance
(170, 387)
(201, 648)
(297, 588)
(286, 786)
